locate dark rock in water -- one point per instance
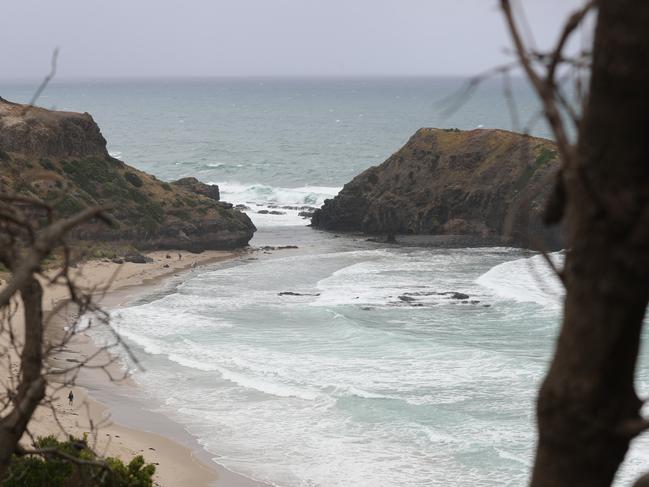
(291, 293)
(138, 259)
(271, 212)
(224, 204)
(487, 184)
(166, 266)
(280, 247)
(474, 301)
(306, 214)
(117, 261)
(193, 184)
(405, 298)
(242, 207)
(455, 295)
(303, 208)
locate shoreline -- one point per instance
(116, 409)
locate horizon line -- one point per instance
(255, 77)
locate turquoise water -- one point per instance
(375, 375)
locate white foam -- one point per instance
(526, 280)
(261, 197)
(267, 387)
(264, 194)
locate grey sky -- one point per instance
(135, 38)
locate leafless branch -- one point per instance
(46, 81)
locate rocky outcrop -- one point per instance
(487, 185)
(61, 158)
(38, 133)
(198, 187)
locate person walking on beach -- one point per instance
(71, 398)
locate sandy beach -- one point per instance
(179, 459)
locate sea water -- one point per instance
(372, 372)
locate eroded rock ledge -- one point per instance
(487, 185)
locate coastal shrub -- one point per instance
(89, 173)
(149, 225)
(3, 155)
(21, 186)
(182, 214)
(89, 200)
(113, 190)
(137, 196)
(54, 470)
(154, 210)
(68, 205)
(52, 194)
(166, 186)
(114, 161)
(47, 164)
(134, 179)
(545, 156)
(190, 202)
(102, 253)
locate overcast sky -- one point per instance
(149, 38)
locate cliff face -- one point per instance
(61, 158)
(490, 185)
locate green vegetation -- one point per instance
(68, 205)
(21, 186)
(47, 164)
(3, 155)
(133, 178)
(544, 156)
(55, 470)
(91, 172)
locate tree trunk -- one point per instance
(31, 388)
(588, 410)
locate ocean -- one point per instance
(371, 373)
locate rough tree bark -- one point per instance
(31, 389)
(588, 409)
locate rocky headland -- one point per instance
(475, 187)
(61, 159)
